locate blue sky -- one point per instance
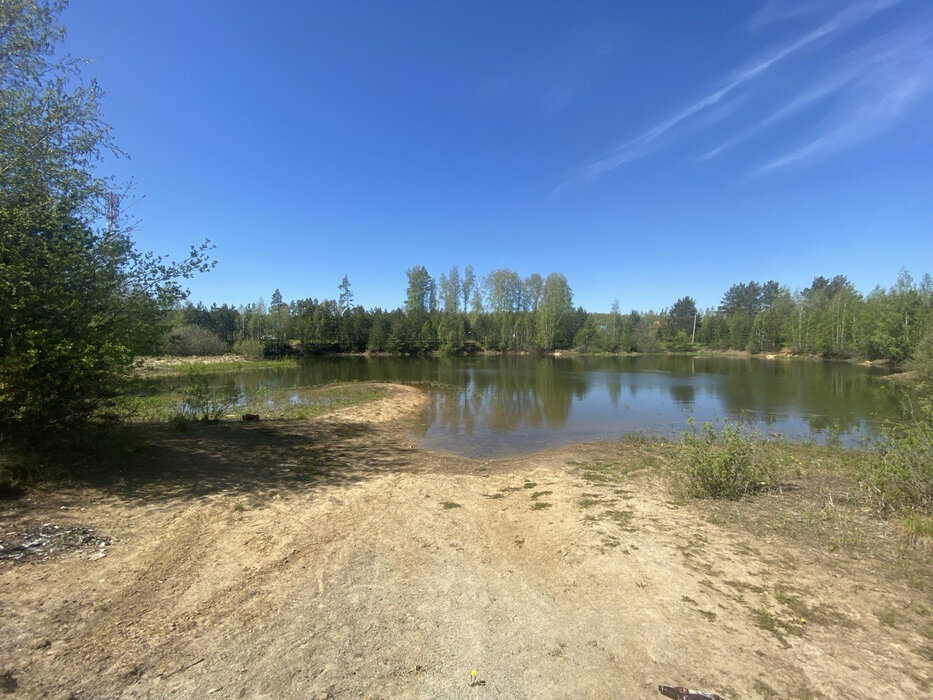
(647, 150)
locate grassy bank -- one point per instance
(151, 402)
(169, 366)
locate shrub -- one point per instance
(204, 402)
(897, 475)
(725, 465)
(250, 348)
(193, 340)
(921, 360)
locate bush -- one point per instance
(921, 360)
(193, 340)
(728, 465)
(204, 402)
(897, 476)
(250, 348)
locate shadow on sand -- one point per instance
(152, 462)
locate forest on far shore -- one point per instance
(460, 313)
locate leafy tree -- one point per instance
(532, 290)
(895, 321)
(77, 301)
(476, 304)
(193, 340)
(451, 333)
(420, 297)
(610, 340)
(644, 331)
(450, 290)
(554, 313)
(467, 285)
(503, 289)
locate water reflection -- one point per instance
(499, 405)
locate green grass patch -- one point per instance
(889, 618)
(770, 623)
(537, 494)
(765, 690)
(608, 472)
(918, 526)
(448, 505)
(588, 500)
(176, 366)
(156, 401)
(622, 518)
(803, 613)
(540, 505)
(529, 485)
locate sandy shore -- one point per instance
(334, 559)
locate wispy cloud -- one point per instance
(885, 85)
(865, 121)
(776, 11)
(887, 61)
(798, 104)
(645, 143)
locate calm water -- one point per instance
(492, 406)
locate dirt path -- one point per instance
(334, 559)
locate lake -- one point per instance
(500, 405)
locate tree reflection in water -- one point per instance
(506, 404)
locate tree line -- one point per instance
(459, 312)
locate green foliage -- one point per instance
(451, 333)
(679, 342)
(922, 360)
(897, 475)
(894, 321)
(76, 302)
(509, 313)
(193, 340)
(203, 402)
(727, 465)
(680, 318)
(918, 526)
(421, 295)
(250, 348)
(554, 323)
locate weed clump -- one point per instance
(726, 465)
(897, 475)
